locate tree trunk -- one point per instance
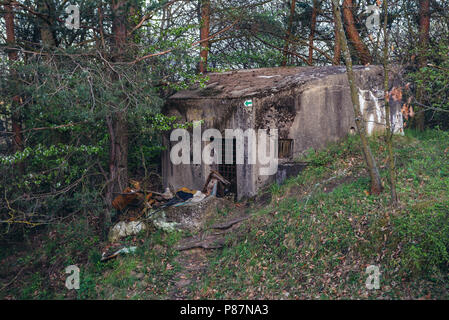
(117, 120)
(312, 30)
(101, 41)
(118, 156)
(376, 184)
(10, 33)
(47, 37)
(289, 32)
(204, 34)
(362, 50)
(389, 132)
(13, 56)
(337, 48)
(119, 30)
(424, 25)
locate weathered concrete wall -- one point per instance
(320, 111)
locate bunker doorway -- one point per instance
(229, 170)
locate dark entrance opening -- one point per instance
(229, 170)
(285, 148)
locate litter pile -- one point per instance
(137, 205)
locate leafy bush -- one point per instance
(435, 81)
(64, 165)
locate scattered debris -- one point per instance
(123, 229)
(160, 221)
(167, 195)
(128, 197)
(185, 193)
(216, 185)
(171, 211)
(186, 208)
(198, 196)
(126, 250)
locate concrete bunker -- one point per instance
(309, 106)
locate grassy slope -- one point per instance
(317, 238)
(314, 240)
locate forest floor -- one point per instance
(311, 238)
